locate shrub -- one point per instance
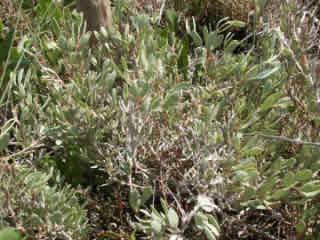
(178, 118)
(29, 203)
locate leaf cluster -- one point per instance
(190, 139)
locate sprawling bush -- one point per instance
(180, 132)
(31, 205)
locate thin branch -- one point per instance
(283, 139)
(26, 150)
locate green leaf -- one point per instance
(267, 186)
(196, 38)
(180, 86)
(231, 46)
(22, 43)
(135, 200)
(289, 180)
(4, 141)
(289, 163)
(241, 176)
(200, 220)
(133, 236)
(310, 186)
(241, 105)
(172, 16)
(170, 102)
(164, 205)
(209, 234)
(267, 73)
(237, 23)
(84, 40)
(270, 101)
(311, 194)
(301, 226)
(155, 104)
(147, 193)
(206, 203)
(212, 220)
(281, 193)
(253, 151)
(141, 22)
(156, 226)
(304, 175)
(173, 218)
(155, 214)
(144, 89)
(213, 229)
(133, 90)
(311, 189)
(256, 203)
(1, 26)
(249, 193)
(247, 165)
(214, 40)
(10, 234)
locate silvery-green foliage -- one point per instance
(168, 223)
(28, 201)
